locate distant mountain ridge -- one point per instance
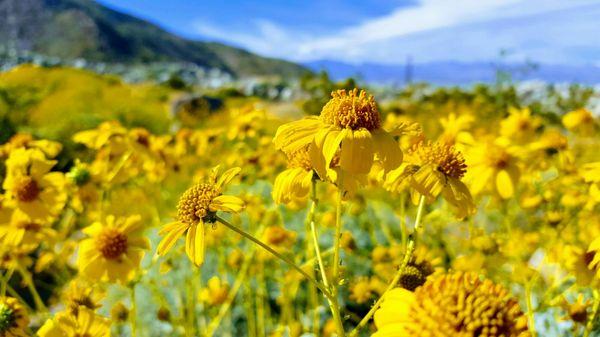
(456, 73)
(73, 29)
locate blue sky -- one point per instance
(387, 31)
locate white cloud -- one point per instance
(464, 29)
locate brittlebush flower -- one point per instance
(197, 206)
(84, 323)
(519, 125)
(293, 184)
(20, 229)
(349, 129)
(31, 187)
(215, 292)
(593, 255)
(432, 169)
(113, 250)
(579, 120)
(455, 305)
(13, 318)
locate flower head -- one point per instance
(113, 250)
(84, 323)
(347, 137)
(433, 169)
(13, 318)
(198, 205)
(455, 305)
(294, 183)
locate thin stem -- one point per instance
(335, 307)
(592, 319)
(263, 245)
(133, 313)
(530, 312)
(39, 304)
(5, 279)
(410, 249)
(311, 255)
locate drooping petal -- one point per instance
(357, 152)
(387, 150)
(292, 136)
(170, 238)
(194, 244)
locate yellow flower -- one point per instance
(31, 187)
(85, 323)
(432, 169)
(215, 292)
(454, 305)
(113, 250)
(593, 256)
(520, 125)
(493, 164)
(13, 318)
(197, 206)
(20, 229)
(361, 291)
(294, 183)
(79, 295)
(579, 120)
(348, 128)
(23, 140)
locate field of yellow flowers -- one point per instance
(455, 214)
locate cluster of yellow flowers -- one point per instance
(307, 227)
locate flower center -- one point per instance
(194, 203)
(300, 159)
(7, 317)
(446, 159)
(415, 275)
(112, 243)
(352, 110)
(27, 189)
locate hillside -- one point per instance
(72, 29)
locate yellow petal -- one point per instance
(504, 184)
(387, 150)
(357, 153)
(194, 244)
(227, 176)
(169, 240)
(227, 203)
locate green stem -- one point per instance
(311, 256)
(285, 259)
(410, 249)
(133, 313)
(335, 307)
(5, 279)
(530, 312)
(39, 304)
(592, 319)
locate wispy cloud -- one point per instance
(552, 30)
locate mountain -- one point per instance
(72, 29)
(457, 73)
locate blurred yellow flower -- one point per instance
(13, 318)
(85, 323)
(294, 183)
(113, 249)
(31, 187)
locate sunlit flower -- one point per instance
(85, 323)
(579, 120)
(31, 187)
(294, 183)
(197, 206)
(520, 125)
(215, 292)
(20, 229)
(452, 305)
(79, 295)
(593, 255)
(113, 249)
(432, 169)
(13, 318)
(348, 128)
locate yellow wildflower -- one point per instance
(85, 323)
(13, 318)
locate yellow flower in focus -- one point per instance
(197, 206)
(85, 323)
(294, 183)
(113, 250)
(215, 292)
(31, 187)
(349, 127)
(13, 318)
(454, 305)
(432, 169)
